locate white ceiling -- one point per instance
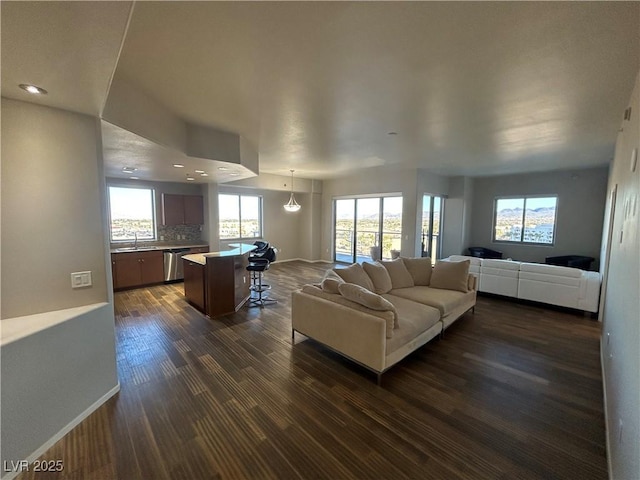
(470, 88)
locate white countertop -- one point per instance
(143, 247)
(234, 250)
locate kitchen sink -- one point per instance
(135, 249)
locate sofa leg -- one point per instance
(293, 336)
(379, 380)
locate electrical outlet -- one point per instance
(81, 279)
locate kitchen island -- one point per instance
(217, 283)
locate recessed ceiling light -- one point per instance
(129, 169)
(234, 174)
(134, 178)
(33, 89)
(223, 168)
(204, 174)
(199, 171)
(178, 165)
(191, 179)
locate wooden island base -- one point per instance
(218, 283)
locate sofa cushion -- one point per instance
(420, 269)
(554, 270)
(415, 318)
(355, 274)
(400, 276)
(379, 277)
(444, 300)
(368, 299)
(451, 276)
(389, 316)
(474, 262)
(331, 285)
(501, 264)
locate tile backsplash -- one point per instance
(170, 233)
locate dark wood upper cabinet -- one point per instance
(193, 210)
(182, 209)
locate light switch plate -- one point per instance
(81, 279)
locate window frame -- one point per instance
(524, 217)
(429, 235)
(260, 216)
(380, 231)
(154, 221)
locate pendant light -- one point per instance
(292, 205)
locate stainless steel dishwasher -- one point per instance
(173, 264)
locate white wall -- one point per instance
(580, 212)
(55, 377)
(52, 219)
(457, 216)
(60, 364)
(620, 307)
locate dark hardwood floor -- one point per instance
(512, 391)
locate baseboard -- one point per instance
(66, 429)
(301, 260)
(606, 418)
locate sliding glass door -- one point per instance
(431, 226)
(363, 223)
(344, 245)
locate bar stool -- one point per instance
(257, 266)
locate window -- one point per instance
(431, 226)
(240, 216)
(132, 214)
(362, 223)
(525, 220)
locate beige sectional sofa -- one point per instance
(378, 313)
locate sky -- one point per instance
(368, 207)
(131, 203)
(532, 203)
(228, 207)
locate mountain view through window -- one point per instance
(525, 220)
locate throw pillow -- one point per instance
(451, 276)
(368, 299)
(355, 274)
(330, 285)
(379, 277)
(420, 270)
(400, 276)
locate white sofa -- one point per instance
(562, 286)
(390, 316)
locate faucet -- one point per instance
(135, 242)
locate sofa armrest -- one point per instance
(355, 333)
(589, 292)
(472, 282)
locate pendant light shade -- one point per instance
(291, 205)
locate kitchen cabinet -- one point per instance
(194, 285)
(182, 209)
(137, 268)
(193, 210)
